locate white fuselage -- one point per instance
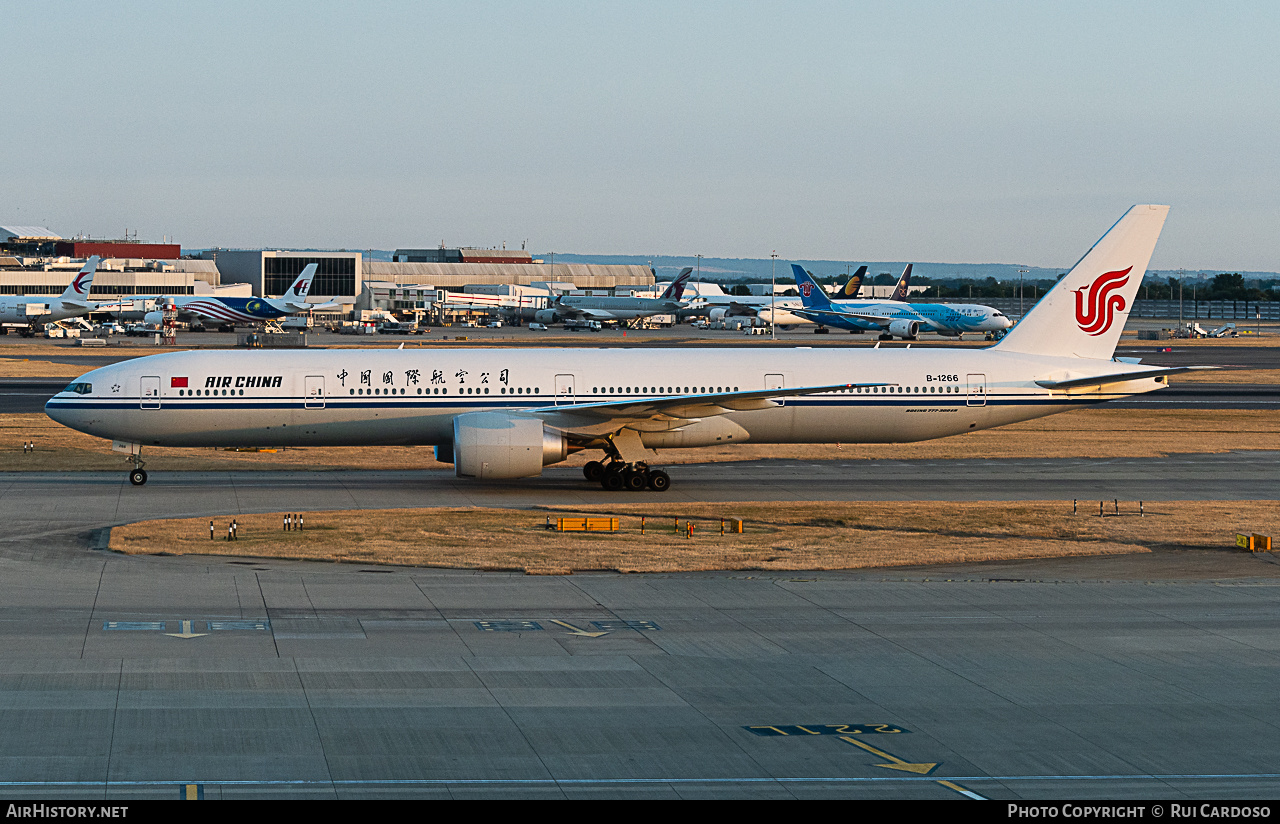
(384, 396)
(14, 309)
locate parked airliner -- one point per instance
(892, 318)
(73, 302)
(609, 309)
(245, 310)
(507, 413)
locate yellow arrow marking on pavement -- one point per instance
(575, 631)
(906, 766)
(898, 763)
(186, 631)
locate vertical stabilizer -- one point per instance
(1084, 313)
(675, 290)
(851, 289)
(904, 283)
(301, 287)
(811, 292)
(78, 291)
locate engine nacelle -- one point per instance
(904, 328)
(498, 445)
(717, 314)
(153, 318)
(544, 316)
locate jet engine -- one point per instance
(153, 318)
(904, 328)
(544, 316)
(717, 314)
(500, 445)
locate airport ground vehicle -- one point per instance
(505, 413)
(537, 327)
(399, 328)
(582, 326)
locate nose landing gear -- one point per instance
(138, 475)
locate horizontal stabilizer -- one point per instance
(1119, 377)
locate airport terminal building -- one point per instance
(36, 261)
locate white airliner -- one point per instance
(73, 302)
(504, 413)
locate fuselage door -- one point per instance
(150, 395)
(564, 389)
(314, 398)
(977, 394)
(776, 382)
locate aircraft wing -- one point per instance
(736, 309)
(820, 314)
(1118, 377)
(602, 418)
(305, 307)
(581, 313)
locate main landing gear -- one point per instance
(615, 476)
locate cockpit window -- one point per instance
(80, 388)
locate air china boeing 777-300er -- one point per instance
(503, 413)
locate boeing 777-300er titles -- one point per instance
(503, 413)
(73, 302)
(246, 310)
(894, 319)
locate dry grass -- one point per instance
(808, 536)
(1083, 433)
(23, 368)
(1268, 376)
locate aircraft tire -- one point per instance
(138, 477)
(634, 480)
(612, 481)
(593, 471)
(659, 481)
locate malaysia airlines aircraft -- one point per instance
(894, 319)
(73, 302)
(247, 310)
(504, 413)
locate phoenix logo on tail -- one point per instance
(1096, 311)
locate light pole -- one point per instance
(1021, 272)
(1181, 275)
(773, 295)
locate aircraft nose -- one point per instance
(54, 411)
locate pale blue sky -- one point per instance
(958, 132)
